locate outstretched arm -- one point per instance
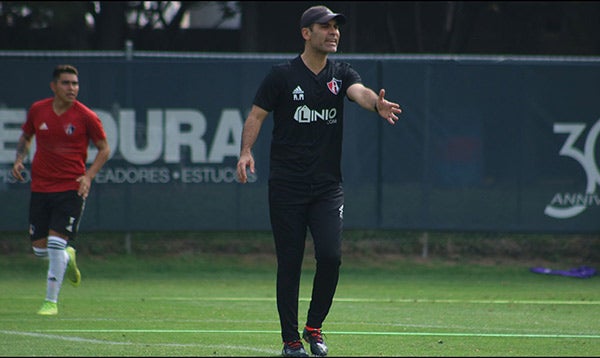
(369, 100)
(249, 134)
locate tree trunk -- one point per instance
(111, 26)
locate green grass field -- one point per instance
(206, 304)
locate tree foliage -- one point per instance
(517, 27)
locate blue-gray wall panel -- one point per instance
(478, 146)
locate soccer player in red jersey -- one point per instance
(60, 183)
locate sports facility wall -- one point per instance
(490, 143)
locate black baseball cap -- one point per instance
(320, 15)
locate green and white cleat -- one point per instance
(48, 309)
(72, 272)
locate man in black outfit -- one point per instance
(306, 96)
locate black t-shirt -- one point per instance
(308, 113)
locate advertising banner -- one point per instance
(484, 143)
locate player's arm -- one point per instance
(252, 126)
(369, 100)
(85, 181)
(22, 151)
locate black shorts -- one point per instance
(60, 212)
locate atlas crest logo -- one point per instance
(334, 85)
(70, 129)
(568, 205)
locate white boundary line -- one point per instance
(351, 299)
(99, 341)
(225, 331)
(386, 300)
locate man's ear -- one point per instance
(306, 33)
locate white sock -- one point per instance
(40, 252)
(57, 266)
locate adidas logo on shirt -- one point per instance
(298, 94)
